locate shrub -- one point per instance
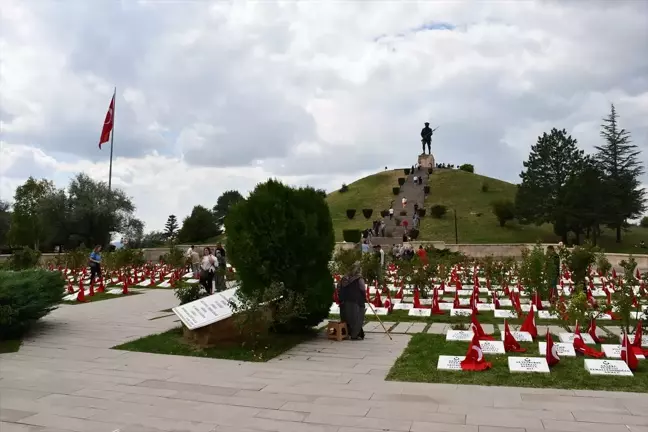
(396, 190)
(421, 212)
(175, 257)
(351, 235)
(579, 260)
(121, 258)
(467, 167)
(384, 213)
(344, 188)
(429, 170)
(187, 293)
(401, 181)
(26, 296)
(426, 189)
(644, 222)
(406, 171)
(414, 233)
(438, 211)
(350, 213)
(367, 213)
(344, 260)
(485, 187)
(23, 259)
(283, 237)
(504, 211)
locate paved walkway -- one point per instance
(65, 378)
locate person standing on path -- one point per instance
(95, 263)
(352, 294)
(404, 202)
(391, 211)
(207, 269)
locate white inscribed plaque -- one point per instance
(614, 351)
(644, 339)
(465, 292)
(543, 314)
(145, 283)
(492, 347)
(459, 335)
(426, 302)
(452, 363)
(420, 312)
(520, 336)
(564, 349)
(403, 306)
(569, 337)
(607, 367)
(528, 364)
(504, 313)
(445, 306)
(164, 284)
(525, 307)
(192, 281)
(381, 311)
(506, 303)
(485, 306)
(187, 275)
(460, 312)
(205, 311)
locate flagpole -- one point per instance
(112, 136)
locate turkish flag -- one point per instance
(628, 354)
(108, 123)
(474, 360)
(551, 353)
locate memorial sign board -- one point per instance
(607, 367)
(528, 364)
(205, 311)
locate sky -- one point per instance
(213, 96)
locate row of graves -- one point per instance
(79, 285)
(452, 298)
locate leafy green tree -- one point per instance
(198, 226)
(5, 222)
(171, 226)
(623, 168)
(153, 239)
(27, 225)
(504, 211)
(224, 203)
(585, 202)
(54, 212)
(541, 197)
(133, 231)
(96, 211)
(282, 238)
(644, 222)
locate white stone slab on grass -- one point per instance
(403, 306)
(504, 313)
(145, 283)
(607, 367)
(451, 363)
(520, 336)
(543, 314)
(569, 338)
(335, 309)
(614, 351)
(564, 349)
(492, 347)
(380, 311)
(192, 281)
(416, 312)
(115, 291)
(187, 275)
(505, 303)
(644, 339)
(445, 306)
(460, 312)
(485, 307)
(459, 335)
(528, 364)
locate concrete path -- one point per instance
(65, 378)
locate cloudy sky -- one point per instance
(221, 95)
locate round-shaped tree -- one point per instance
(283, 237)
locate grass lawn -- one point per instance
(419, 361)
(171, 342)
(374, 192)
(99, 297)
(10, 346)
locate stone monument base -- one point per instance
(426, 160)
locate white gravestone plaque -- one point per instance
(459, 335)
(452, 363)
(381, 311)
(205, 311)
(607, 367)
(460, 312)
(426, 302)
(164, 284)
(445, 306)
(485, 306)
(644, 339)
(465, 292)
(145, 283)
(564, 349)
(520, 336)
(420, 312)
(528, 364)
(569, 338)
(543, 314)
(505, 303)
(614, 351)
(504, 313)
(403, 306)
(492, 347)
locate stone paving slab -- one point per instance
(417, 327)
(66, 378)
(401, 327)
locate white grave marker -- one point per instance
(452, 363)
(520, 336)
(543, 314)
(505, 303)
(528, 364)
(403, 306)
(381, 311)
(459, 335)
(569, 338)
(420, 312)
(492, 347)
(644, 339)
(564, 349)
(607, 367)
(445, 306)
(485, 306)
(504, 313)
(614, 351)
(335, 309)
(460, 312)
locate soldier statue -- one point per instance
(426, 137)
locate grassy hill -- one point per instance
(460, 191)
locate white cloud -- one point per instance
(221, 95)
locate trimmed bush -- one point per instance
(414, 233)
(23, 259)
(401, 181)
(421, 212)
(26, 296)
(350, 213)
(406, 171)
(396, 190)
(280, 240)
(367, 213)
(504, 211)
(384, 213)
(430, 170)
(438, 211)
(344, 188)
(352, 235)
(426, 189)
(467, 167)
(485, 187)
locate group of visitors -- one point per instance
(210, 268)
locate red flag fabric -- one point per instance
(377, 300)
(536, 301)
(456, 304)
(581, 348)
(108, 123)
(628, 354)
(510, 344)
(495, 300)
(529, 324)
(552, 352)
(436, 310)
(592, 330)
(477, 329)
(417, 299)
(474, 360)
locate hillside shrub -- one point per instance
(426, 189)
(504, 211)
(467, 167)
(23, 259)
(396, 190)
(26, 296)
(421, 212)
(282, 238)
(414, 233)
(401, 181)
(384, 213)
(344, 188)
(406, 171)
(351, 235)
(579, 260)
(485, 187)
(121, 258)
(367, 213)
(350, 213)
(438, 211)
(175, 257)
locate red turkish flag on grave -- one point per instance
(474, 360)
(495, 300)
(435, 303)
(581, 348)
(636, 342)
(591, 330)
(536, 301)
(551, 353)
(417, 299)
(377, 300)
(477, 329)
(399, 294)
(510, 344)
(627, 353)
(529, 324)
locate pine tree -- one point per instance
(619, 160)
(171, 226)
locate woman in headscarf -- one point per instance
(352, 301)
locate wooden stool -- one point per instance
(337, 330)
